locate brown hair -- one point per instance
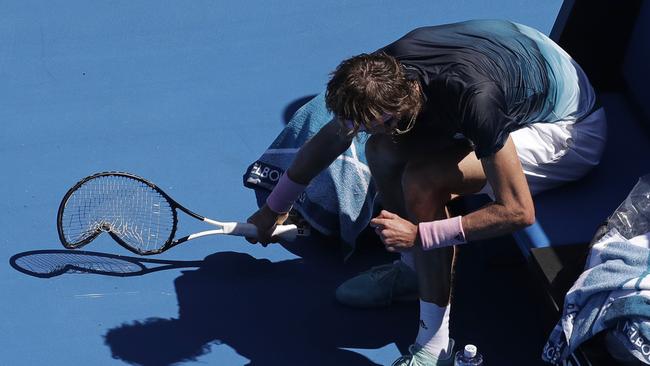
(364, 87)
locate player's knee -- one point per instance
(421, 191)
(423, 179)
(382, 155)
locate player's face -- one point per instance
(388, 124)
(383, 126)
(392, 125)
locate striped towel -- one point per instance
(337, 202)
(613, 293)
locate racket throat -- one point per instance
(233, 228)
(225, 228)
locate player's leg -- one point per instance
(396, 281)
(386, 161)
(428, 185)
(382, 285)
(429, 182)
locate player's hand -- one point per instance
(396, 233)
(266, 220)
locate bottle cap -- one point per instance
(470, 351)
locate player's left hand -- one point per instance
(396, 233)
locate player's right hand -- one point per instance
(266, 220)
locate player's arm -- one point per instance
(513, 206)
(312, 158)
(319, 152)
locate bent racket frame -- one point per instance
(287, 232)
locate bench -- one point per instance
(611, 41)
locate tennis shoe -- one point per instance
(380, 286)
(418, 356)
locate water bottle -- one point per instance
(468, 357)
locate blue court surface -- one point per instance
(187, 94)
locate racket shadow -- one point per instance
(50, 263)
(280, 313)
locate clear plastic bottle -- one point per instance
(468, 357)
(632, 217)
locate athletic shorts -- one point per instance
(555, 153)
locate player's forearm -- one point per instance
(318, 153)
(495, 220)
(513, 207)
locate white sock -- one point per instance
(408, 259)
(433, 334)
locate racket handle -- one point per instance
(286, 232)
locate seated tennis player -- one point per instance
(480, 106)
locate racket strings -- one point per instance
(129, 209)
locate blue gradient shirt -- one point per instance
(487, 78)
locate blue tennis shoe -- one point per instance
(380, 286)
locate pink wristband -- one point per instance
(285, 193)
(441, 233)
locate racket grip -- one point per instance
(286, 232)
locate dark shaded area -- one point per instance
(285, 313)
(271, 313)
(497, 305)
(596, 33)
(293, 107)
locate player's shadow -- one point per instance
(280, 313)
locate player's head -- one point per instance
(371, 92)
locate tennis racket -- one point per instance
(136, 214)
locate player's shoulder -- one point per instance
(475, 25)
(463, 34)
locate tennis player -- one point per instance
(482, 106)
